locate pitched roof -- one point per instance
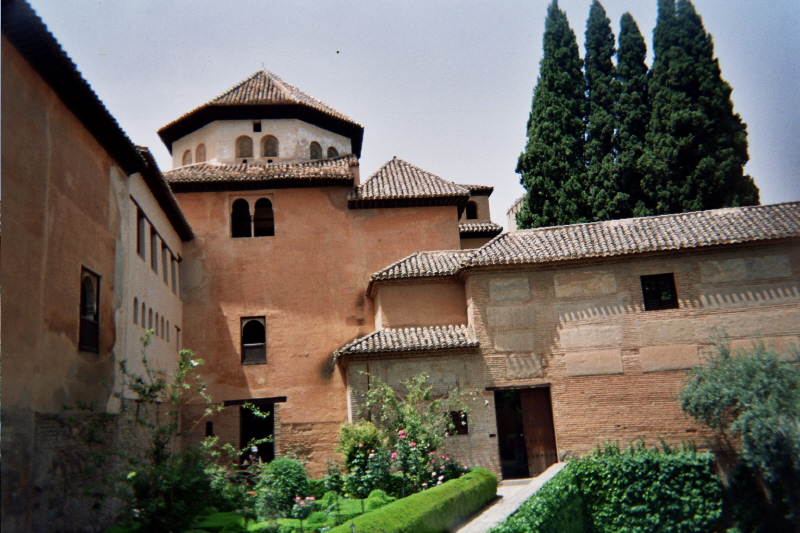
(479, 229)
(423, 264)
(638, 235)
(391, 340)
(220, 176)
(478, 190)
(264, 95)
(401, 184)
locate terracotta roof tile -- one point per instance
(423, 264)
(478, 190)
(398, 180)
(410, 339)
(479, 229)
(280, 174)
(638, 235)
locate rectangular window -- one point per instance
(174, 263)
(658, 292)
(254, 341)
(141, 233)
(153, 249)
(89, 332)
(178, 337)
(460, 423)
(165, 264)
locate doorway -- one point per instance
(252, 427)
(525, 432)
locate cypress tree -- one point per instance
(552, 165)
(632, 112)
(696, 144)
(606, 199)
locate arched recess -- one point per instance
(269, 146)
(315, 150)
(263, 219)
(136, 311)
(332, 152)
(254, 341)
(244, 147)
(200, 153)
(240, 219)
(472, 211)
(89, 333)
(187, 157)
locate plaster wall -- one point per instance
(294, 138)
(482, 204)
(307, 281)
(420, 304)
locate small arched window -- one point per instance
(200, 153)
(89, 331)
(161, 331)
(136, 310)
(244, 147)
(472, 211)
(254, 341)
(187, 157)
(167, 330)
(150, 318)
(144, 315)
(269, 146)
(263, 219)
(315, 150)
(332, 152)
(240, 219)
(156, 328)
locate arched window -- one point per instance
(162, 328)
(244, 147)
(240, 219)
(269, 146)
(155, 331)
(144, 315)
(315, 150)
(89, 331)
(187, 157)
(150, 318)
(200, 153)
(254, 341)
(332, 152)
(472, 211)
(167, 330)
(263, 219)
(136, 310)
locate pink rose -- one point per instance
(412, 444)
(402, 436)
(401, 432)
(394, 455)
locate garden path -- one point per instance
(512, 494)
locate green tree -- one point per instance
(633, 113)
(606, 199)
(753, 399)
(696, 144)
(552, 166)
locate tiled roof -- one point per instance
(478, 190)
(400, 181)
(217, 176)
(638, 235)
(410, 339)
(423, 264)
(479, 229)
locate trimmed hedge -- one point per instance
(435, 510)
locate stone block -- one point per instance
(521, 367)
(515, 289)
(592, 363)
(668, 357)
(513, 341)
(572, 311)
(667, 331)
(584, 284)
(587, 336)
(755, 324)
(746, 269)
(511, 316)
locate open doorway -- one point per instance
(252, 427)
(525, 433)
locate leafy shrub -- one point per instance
(355, 438)
(279, 482)
(369, 470)
(333, 480)
(316, 488)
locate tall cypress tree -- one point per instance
(606, 199)
(632, 112)
(552, 165)
(697, 145)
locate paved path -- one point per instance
(512, 494)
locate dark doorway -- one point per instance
(510, 434)
(540, 436)
(253, 427)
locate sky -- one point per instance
(443, 84)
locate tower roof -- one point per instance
(264, 96)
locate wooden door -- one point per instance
(537, 422)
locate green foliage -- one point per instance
(279, 483)
(316, 488)
(432, 511)
(753, 397)
(369, 470)
(552, 166)
(353, 438)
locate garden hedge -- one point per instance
(435, 510)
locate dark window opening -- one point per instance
(659, 292)
(209, 428)
(269, 146)
(460, 423)
(240, 219)
(257, 126)
(153, 250)
(141, 233)
(244, 147)
(264, 219)
(315, 150)
(253, 428)
(89, 334)
(136, 311)
(165, 253)
(254, 341)
(150, 318)
(472, 211)
(174, 263)
(155, 330)
(144, 315)
(332, 152)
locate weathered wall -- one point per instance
(420, 304)
(482, 204)
(308, 281)
(60, 214)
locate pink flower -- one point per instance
(297, 498)
(412, 444)
(360, 445)
(432, 453)
(302, 503)
(402, 436)
(394, 455)
(310, 498)
(371, 456)
(401, 432)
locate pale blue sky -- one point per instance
(445, 85)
